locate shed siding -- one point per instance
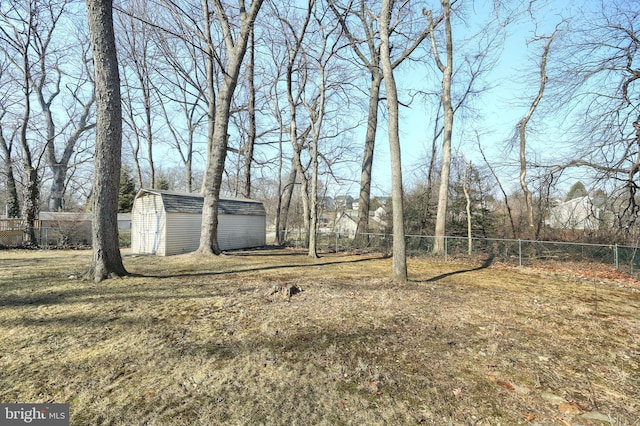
(237, 231)
(148, 225)
(183, 233)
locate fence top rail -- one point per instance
(512, 240)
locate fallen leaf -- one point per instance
(373, 387)
(569, 407)
(505, 385)
(457, 392)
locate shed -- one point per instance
(167, 223)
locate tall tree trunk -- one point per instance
(447, 72)
(13, 202)
(235, 49)
(367, 21)
(522, 132)
(313, 204)
(32, 187)
(213, 176)
(364, 201)
(59, 172)
(467, 196)
(30, 206)
(399, 274)
(285, 203)
(251, 137)
(107, 260)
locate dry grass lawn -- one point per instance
(202, 341)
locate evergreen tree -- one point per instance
(127, 191)
(576, 191)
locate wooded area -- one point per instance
(289, 101)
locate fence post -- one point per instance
(615, 256)
(519, 253)
(337, 237)
(446, 248)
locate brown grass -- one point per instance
(202, 341)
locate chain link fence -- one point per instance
(514, 252)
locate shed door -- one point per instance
(149, 231)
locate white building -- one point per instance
(578, 214)
(166, 223)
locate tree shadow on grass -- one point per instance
(258, 269)
(484, 265)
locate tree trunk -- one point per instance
(285, 204)
(522, 130)
(447, 71)
(251, 137)
(465, 188)
(30, 205)
(364, 202)
(13, 202)
(399, 274)
(213, 175)
(57, 186)
(107, 260)
(235, 49)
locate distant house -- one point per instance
(379, 217)
(166, 223)
(326, 203)
(345, 225)
(582, 213)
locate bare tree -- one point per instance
(399, 273)
(252, 135)
(601, 75)
(184, 142)
(522, 130)
(446, 68)
(18, 34)
(6, 147)
(138, 62)
(359, 23)
(62, 136)
(107, 260)
(52, 75)
(8, 135)
(461, 66)
(235, 47)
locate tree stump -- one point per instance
(285, 290)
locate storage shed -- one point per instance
(166, 223)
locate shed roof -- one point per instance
(179, 202)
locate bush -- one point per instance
(125, 239)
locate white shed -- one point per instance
(166, 223)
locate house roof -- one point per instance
(180, 202)
(345, 216)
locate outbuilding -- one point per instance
(167, 223)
